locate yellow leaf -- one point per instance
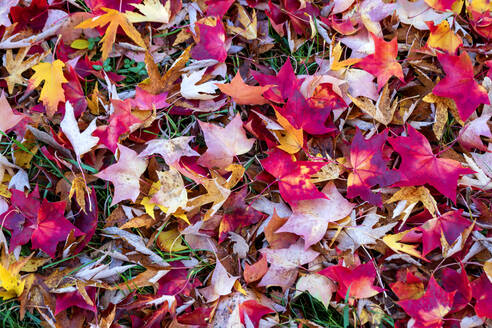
(170, 241)
(11, 282)
(115, 19)
(335, 63)
(413, 195)
(291, 139)
(78, 188)
(15, 67)
(52, 92)
(443, 105)
(487, 268)
(393, 242)
(4, 191)
(249, 32)
(441, 37)
(152, 11)
(80, 44)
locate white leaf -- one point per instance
(81, 142)
(204, 91)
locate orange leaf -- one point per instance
(242, 93)
(115, 19)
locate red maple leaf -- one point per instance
(67, 300)
(146, 101)
(119, 123)
(382, 63)
(293, 176)
(460, 85)
(419, 165)
(369, 168)
(237, 214)
(41, 222)
(303, 115)
(254, 310)
(211, 44)
(453, 280)
(283, 85)
(482, 293)
(450, 224)
(33, 17)
(429, 310)
(359, 280)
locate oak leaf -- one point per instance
(52, 92)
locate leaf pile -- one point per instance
(246, 163)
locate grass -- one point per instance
(305, 306)
(10, 316)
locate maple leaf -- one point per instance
(11, 281)
(450, 224)
(41, 222)
(336, 53)
(429, 310)
(67, 300)
(82, 142)
(254, 311)
(34, 16)
(17, 66)
(291, 139)
(115, 19)
(303, 115)
(242, 93)
(383, 111)
(310, 217)
(250, 25)
(152, 11)
(283, 85)
(224, 143)
(120, 122)
(443, 105)
(125, 175)
(220, 284)
(411, 196)
(9, 118)
(409, 288)
(457, 281)
(171, 193)
(383, 62)
(393, 242)
(237, 214)
(284, 263)
(358, 281)
(441, 37)
(368, 167)
(469, 136)
(191, 90)
(293, 176)
(212, 42)
(460, 85)
(481, 289)
(256, 271)
(147, 101)
(171, 150)
(420, 166)
(52, 91)
(355, 235)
